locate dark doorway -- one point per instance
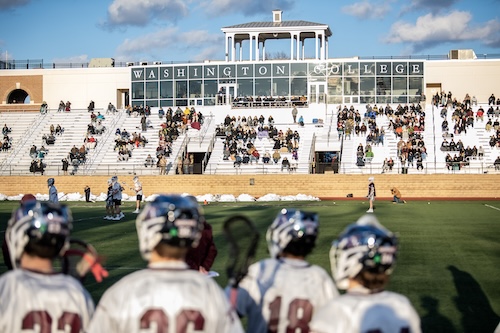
(18, 96)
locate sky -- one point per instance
(190, 30)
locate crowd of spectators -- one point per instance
(7, 140)
(240, 135)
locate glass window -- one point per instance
(263, 70)
(383, 99)
(138, 103)
(351, 68)
(194, 88)
(263, 87)
(335, 86)
(181, 89)
(299, 86)
(384, 85)
(367, 99)
(367, 68)
(137, 90)
(367, 86)
(416, 84)
(351, 86)
(167, 102)
(245, 87)
(281, 70)
(195, 72)
(152, 103)
(181, 102)
(245, 70)
(399, 91)
(299, 69)
(151, 90)
(317, 69)
(209, 101)
(281, 87)
(210, 88)
(166, 89)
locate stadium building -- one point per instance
(245, 83)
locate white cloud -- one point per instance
(78, 59)
(430, 5)
(366, 10)
(9, 4)
(430, 30)
(245, 7)
(170, 43)
(142, 12)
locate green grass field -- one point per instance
(448, 265)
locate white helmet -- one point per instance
(41, 228)
(364, 245)
(172, 219)
(294, 231)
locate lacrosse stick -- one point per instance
(242, 237)
(82, 258)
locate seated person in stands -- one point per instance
(75, 163)
(67, 106)
(445, 146)
(33, 151)
(276, 156)
(453, 146)
(496, 124)
(489, 125)
(480, 114)
(149, 161)
(270, 120)
(161, 113)
(267, 157)
(90, 128)
(42, 152)
(99, 127)
(285, 164)
(5, 144)
(295, 154)
(369, 156)
(61, 106)
(125, 134)
(497, 163)
(59, 130)
(100, 116)
(444, 126)
(301, 121)
(111, 108)
(390, 163)
(6, 130)
(50, 139)
(123, 154)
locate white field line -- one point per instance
(492, 207)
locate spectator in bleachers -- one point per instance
(480, 152)
(276, 156)
(61, 106)
(111, 108)
(491, 100)
(285, 164)
(497, 163)
(489, 125)
(91, 106)
(162, 164)
(99, 127)
(6, 130)
(480, 114)
(33, 152)
(42, 152)
(65, 165)
(67, 107)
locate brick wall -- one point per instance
(324, 186)
(32, 84)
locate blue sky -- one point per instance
(181, 30)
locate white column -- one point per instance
(297, 47)
(326, 45)
(227, 46)
(323, 46)
(303, 49)
(250, 55)
(241, 50)
(292, 38)
(233, 49)
(316, 43)
(264, 50)
(257, 48)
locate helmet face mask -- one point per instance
(363, 246)
(41, 228)
(292, 231)
(170, 219)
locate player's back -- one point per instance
(385, 311)
(170, 298)
(35, 302)
(283, 294)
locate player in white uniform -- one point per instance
(362, 260)
(280, 294)
(33, 297)
(167, 296)
(138, 194)
(117, 198)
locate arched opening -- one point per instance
(18, 96)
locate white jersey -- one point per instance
(168, 297)
(385, 311)
(37, 302)
(117, 191)
(138, 188)
(281, 295)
